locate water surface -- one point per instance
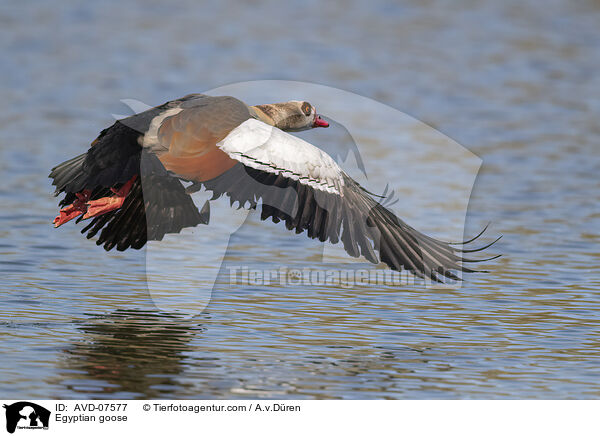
(513, 82)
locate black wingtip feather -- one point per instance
(481, 260)
(472, 239)
(475, 250)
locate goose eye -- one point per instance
(306, 108)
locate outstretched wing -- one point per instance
(304, 187)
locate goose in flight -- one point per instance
(242, 152)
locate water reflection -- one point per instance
(128, 353)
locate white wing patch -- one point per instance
(269, 149)
(150, 139)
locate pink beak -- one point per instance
(320, 122)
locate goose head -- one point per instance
(291, 116)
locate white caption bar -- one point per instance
(266, 417)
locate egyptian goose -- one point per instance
(243, 152)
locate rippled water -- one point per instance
(513, 82)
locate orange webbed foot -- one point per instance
(73, 210)
(106, 204)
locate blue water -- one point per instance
(514, 82)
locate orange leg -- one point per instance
(91, 208)
(78, 207)
(107, 204)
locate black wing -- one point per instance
(114, 158)
(364, 226)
